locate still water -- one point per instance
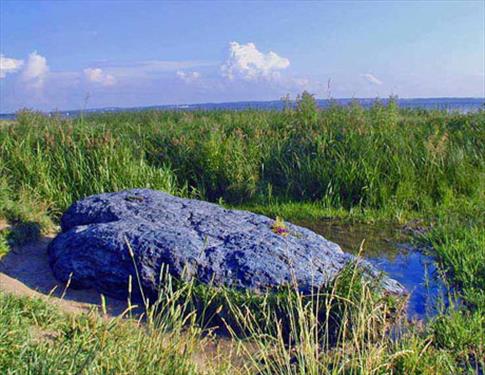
(390, 250)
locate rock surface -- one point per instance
(193, 238)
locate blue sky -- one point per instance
(68, 55)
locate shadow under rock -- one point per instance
(25, 270)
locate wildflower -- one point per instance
(279, 227)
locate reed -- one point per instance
(344, 157)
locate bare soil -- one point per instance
(25, 271)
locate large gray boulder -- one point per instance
(193, 238)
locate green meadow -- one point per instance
(381, 165)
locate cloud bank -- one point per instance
(245, 61)
(246, 73)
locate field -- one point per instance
(381, 165)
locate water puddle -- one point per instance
(390, 250)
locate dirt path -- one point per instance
(25, 271)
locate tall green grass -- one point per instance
(343, 157)
(168, 338)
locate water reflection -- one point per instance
(389, 249)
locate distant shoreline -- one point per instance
(444, 103)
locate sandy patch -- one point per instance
(25, 271)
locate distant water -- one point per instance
(462, 105)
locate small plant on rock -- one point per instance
(279, 227)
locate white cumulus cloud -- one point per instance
(372, 79)
(9, 65)
(35, 71)
(247, 62)
(188, 77)
(97, 75)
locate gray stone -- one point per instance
(217, 246)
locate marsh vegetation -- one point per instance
(385, 165)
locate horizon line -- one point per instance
(241, 101)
